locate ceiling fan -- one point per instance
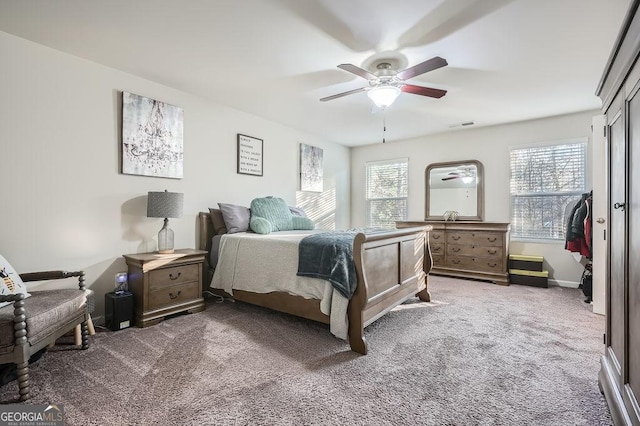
(466, 175)
(386, 84)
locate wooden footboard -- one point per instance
(391, 267)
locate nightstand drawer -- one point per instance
(174, 294)
(160, 278)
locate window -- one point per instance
(546, 181)
(387, 192)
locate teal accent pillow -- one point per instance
(260, 225)
(303, 223)
(274, 210)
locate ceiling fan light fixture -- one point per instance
(383, 96)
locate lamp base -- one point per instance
(166, 251)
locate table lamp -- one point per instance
(165, 204)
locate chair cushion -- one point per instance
(46, 312)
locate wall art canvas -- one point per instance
(152, 137)
(310, 168)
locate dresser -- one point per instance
(165, 284)
(477, 250)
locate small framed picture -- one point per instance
(250, 156)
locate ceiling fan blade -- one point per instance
(357, 71)
(424, 91)
(452, 177)
(426, 66)
(339, 95)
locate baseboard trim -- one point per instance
(562, 283)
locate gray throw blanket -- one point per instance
(329, 256)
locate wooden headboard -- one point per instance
(205, 226)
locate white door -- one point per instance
(599, 158)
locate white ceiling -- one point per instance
(509, 60)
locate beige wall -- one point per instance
(65, 204)
(489, 145)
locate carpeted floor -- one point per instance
(479, 354)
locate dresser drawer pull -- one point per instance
(492, 251)
(436, 249)
(455, 237)
(492, 239)
(435, 237)
(492, 265)
(456, 261)
(174, 277)
(455, 249)
(174, 296)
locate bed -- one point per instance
(391, 267)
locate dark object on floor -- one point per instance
(586, 284)
(9, 372)
(118, 310)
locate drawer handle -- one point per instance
(173, 278)
(174, 296)
(456, 261)
(492, 251)
(435, 237)
(492, 265)
(455, 249)
(492, 239)
(436, 249)
(455, 237)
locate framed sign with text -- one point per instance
(249, 155)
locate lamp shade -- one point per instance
(383, 96)
(165, 204)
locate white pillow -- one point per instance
(10, 282)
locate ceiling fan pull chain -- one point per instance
(384, 126)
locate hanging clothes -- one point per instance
(578, 235)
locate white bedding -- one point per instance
(267, 263)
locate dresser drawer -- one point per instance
(474, 263)
(494, 239)
(174, 294)
(436, 248)
(436, 237)
(438, 259)
(160, 278)
(490, 252)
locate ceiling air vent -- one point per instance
(463, 124)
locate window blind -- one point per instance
(387, 192)
(545, 180)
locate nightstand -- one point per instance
(165, 284)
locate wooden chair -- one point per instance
(36, 322)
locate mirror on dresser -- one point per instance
(455, 186)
